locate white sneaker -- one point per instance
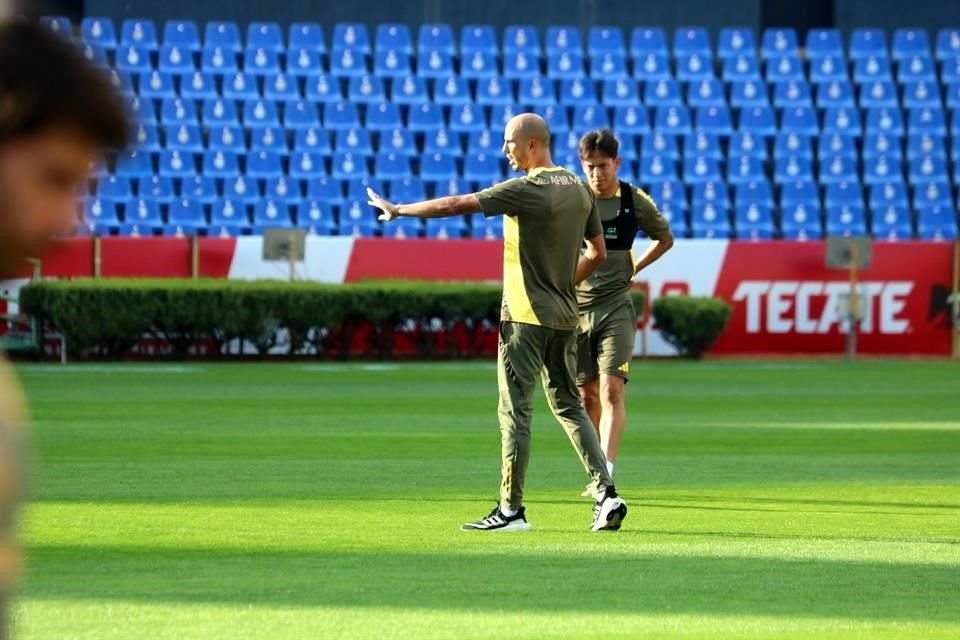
(609, 512)
(498, 521)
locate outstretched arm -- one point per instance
(438, 208)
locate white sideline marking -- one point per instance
(104, 368)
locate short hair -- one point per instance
(599, 141)
(45, 82)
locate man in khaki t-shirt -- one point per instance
(608, 321)
(549, 213)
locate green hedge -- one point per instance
(108, 317)
(691, 324)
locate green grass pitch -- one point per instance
(798, 499)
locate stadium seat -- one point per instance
(139, 33)
(655, 168)
(521, 39)
(916, 69)
(452, 91)
(271, 214)
(890, 194)
(801, 222)
(266, 36)
(842, 121)
(706, 93)
(922, 94)
(283, 189)
(306, 165)
(948, 44)
(662, 93)
(577, 92)
(156, 85)
(652, 66)
(736, 42)
(950, 71)
(565, 65)
(647, 40)
(759, 121)
(746, 143)
(410, 90)
(263, 165)
(927, 169)
(589, 116)
(482, 169)
(660, 144)
(800, 120)
(306, 35)
(871, 69)
(464, 119)
(316, 217)
(213, 60)
(304, 63)
(784, 69)
(128, 58)
(834, 169)
(749, 94)
(101, 215)
(260, 113)
(141, 217)
(740, 69)
(821, 43)
(778, 43)
(925, 145)
(701, 169)
(520, 65)
(691, 40)
(494, 91)
(878, 94)
(445, 228)
(563, 39)
(399, 140)
(436, 37)
(892, 223)
(394, 37)
(703, 144)
(754, 221)
(866, 43)
(672, 120)
(391, 166)
(218, 112)
(745, 169)
(351, 36)
(932, 195)
(451, 187)
(693, 67)
(341, 116)
(281, 87)
(478, 65)
(261, 62)
(240, 86)
(885, 120)
(835, 144)
(268, 138)
(407, 189)
(345, 63)
(357, 219)
(828, 68)
(227, 138)
(355, 140)
(792, 94)
(931, 121)
(908, 43)
(223, 34)
(880, 170)
(184, 138)
(443, 142)
(713, 192)
(185, 218)
(173, 164)
(844, 220)
(710, 222)
(673, 192)
(326, 190)
(402, 228)
(220, 164)
(58, 24)
(714, 120)
(478, 38)
(937, 223)
(793, 194)
(843, 194)
(433, 64)
(792, 144)
(99, 31)
(229, 218)
(757, 192)
(793, 169)
(605, 39)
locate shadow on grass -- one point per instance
(498, 581)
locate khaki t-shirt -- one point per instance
(548, 213)
(11, 471)
(610, 284)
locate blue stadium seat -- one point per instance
(494, 91)
(672, 192)
(240, 87)
(758, 192)
(835, 169)
(283, 189)
(177, 111)
(185, 218)
(693, 67)
(436, 37)
(114, 188)
(928, 120)
(500, 115)
(156, 188)
(842, 121)
(358, 219)
(452, 91)
(261, 62)
(196, 86)
(223, 34)
(563, 39)
(605, 39)
(672, 120)
(394, 36)
(823, 42)
(281, 87)
(463, 119)
(408, 189)
(745, 169)
(60, 25)
(141, 111)
(306, 165)
(219, 112)
(691, 40)
(438, 167)
(100, 32)
(521, 39)
(754, 221)
(916, 69)
(434, 64)
(937, 223)
(354, 140)
(565, 65)
(557, 119)
(352, 36)
(266, 36)
(794, 93)
(662, 93)
(925, 144)
(881, 170)
(486, 228)
(399, 140)
(228, 218)
(660, 144)
(478, 65)
(537, 92)
(710, 222)
(885, 120)
(620, 93)
(713, 192)
(652, 66)
(749, 94)
(706, 93)
(182, 33)
(184, 138)
(793, 194)
(122, 81)
(100, 216)
(445, 142)
(142, 217)
(410, 90)
(918, 95)
(268, 138)
(948, 44)
(927, 169)
(843, 194)
(299, 114)
(263, 165)
(260, 113)
(931, 195)
(316, 217)
(220, 164)
(880, 93)
(325, 189)
(793, 169)
(735, 42)
(746, 143)
(866, 43)
(156, 85)
(402, 228)
(589, 116)
(215, 60)
(635, 121)
(305, 63)
(227, 138)
(871, 69)
(778, 43)
(444, 228)
(608, 66)
(306, 35)
(759, 121)
(271, 214)
(98, 57)
(478, 38)
(836, 144)
(792, 143)
(784, 69)
(139, 33)
(647, 40)
(701, 169)
(391, 166)
(801, 222)
(482, 169)
(340, 116)
(714, 120)
(450, 187)
(845, 221)
(702, 144)
(130, 59)
(889, 194)
(908, 43)
(740, 69)
(892, 223)
(676, 215)
(347, 166)
(345, 63)
(657, 168)
(828, 68)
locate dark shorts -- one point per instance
(605, 342)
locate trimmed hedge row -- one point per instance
(691, 324)
(108, 317)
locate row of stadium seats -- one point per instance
(601, 40)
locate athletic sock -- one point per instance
(610, 469)
(509, 512)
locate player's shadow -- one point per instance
(508, 580)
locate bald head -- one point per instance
(529, 126)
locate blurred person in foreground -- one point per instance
(58, 114)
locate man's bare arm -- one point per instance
(653, 253)
(592, 258)
(437, 208)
